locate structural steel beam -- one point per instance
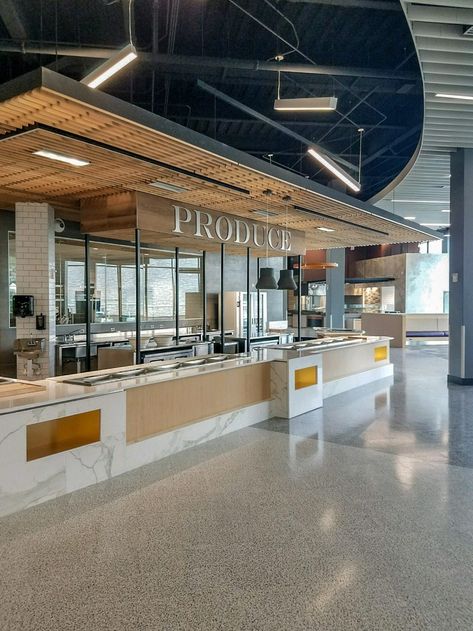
(12, 20)
(196, 63)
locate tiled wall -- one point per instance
(35, 275)
(7, 334)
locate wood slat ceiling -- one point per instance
(107, 141)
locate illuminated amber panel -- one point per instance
(69, 432)
(305, 377)
(380, 353)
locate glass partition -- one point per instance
(70, 281)
(113, 282)
(190, 290)
(11, 275)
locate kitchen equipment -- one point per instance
(236, 312)
(163, 340)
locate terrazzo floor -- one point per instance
(357, 516)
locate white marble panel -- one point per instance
(279, 394)
(94, 463)
(337, 386)
(168, 443)
(287, 401)
(23, 484)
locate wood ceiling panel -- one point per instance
(111, 171)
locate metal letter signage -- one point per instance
(229, 229)
(201, 225)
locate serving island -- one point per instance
(71, 433)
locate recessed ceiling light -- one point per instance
(445, 210)
(410, 218)
(311, 104)
(264, 213)
(435, 224)
(326, 229)
(52, 155)
(461, 97)
(168, 187)
(110, 67)
(335, 169)
(418, 201)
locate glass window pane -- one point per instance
(70, 281)
(11, 274)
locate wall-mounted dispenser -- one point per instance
(23, 306)
(40, 322)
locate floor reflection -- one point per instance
(417, 414)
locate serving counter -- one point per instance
(71, 432)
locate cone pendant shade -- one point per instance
(286, 279)
(266, 279)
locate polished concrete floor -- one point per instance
(357, 516)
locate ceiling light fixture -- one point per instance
(305, 104)
(335, 169)
(461, 97)
(52, 155)
(419, 201)
(117, 61)
(326, 229)
(445, 210)
(310, 104)
(410, 218)
(168, 187)
(110, 67)
(435, 224)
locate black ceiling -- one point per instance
(350, 34)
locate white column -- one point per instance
(35, 275)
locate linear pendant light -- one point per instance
(461, 97)
(329, 164)
(110, 67)
(311, 104)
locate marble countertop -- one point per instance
(57, 390)
(52, 392)
(283, 352)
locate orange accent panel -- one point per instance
(305, 377)
(69, 432)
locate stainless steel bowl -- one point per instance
(164, 367)
(193, 362)
(128, 374)
(217, 359)
(92, 381)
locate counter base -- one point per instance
(338, 386)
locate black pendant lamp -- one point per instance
(266, 278)
(286, 276)
(286, 279)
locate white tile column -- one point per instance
(35, 275)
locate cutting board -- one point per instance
(14, 389)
